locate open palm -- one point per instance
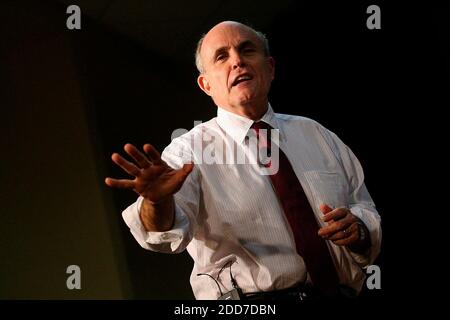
(153, 178)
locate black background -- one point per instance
(381, 91)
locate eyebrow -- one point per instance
(244, 44)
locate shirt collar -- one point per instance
(237, 126)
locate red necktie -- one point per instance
(302, 220)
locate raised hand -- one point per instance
(153, 179)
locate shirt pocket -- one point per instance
(326, 187)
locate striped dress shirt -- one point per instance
(227, 213)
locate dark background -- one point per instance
(70, 98)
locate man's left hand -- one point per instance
(342, 228)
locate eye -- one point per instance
(221, 57)
(249, 50)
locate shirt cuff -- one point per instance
(167, 241)
(373, 225)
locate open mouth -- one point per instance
(242, 78)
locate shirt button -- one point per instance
(165, 236)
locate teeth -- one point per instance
(242, 78)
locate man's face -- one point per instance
(236, 72)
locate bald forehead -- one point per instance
(230, 26)
(228, 34)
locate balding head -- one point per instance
(262, 39)
(236, 70)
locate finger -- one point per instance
(120, 183)
(152, 153)
(140, 158)
(336, 214)
(342, 234)
(334, 227)
(129, 167)
(347, 241)
(325, 208)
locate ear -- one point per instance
(204, 84)
(271, 63)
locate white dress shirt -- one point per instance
(229, 213)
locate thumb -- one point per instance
(183, 172)
(187, 168)
(325, 208)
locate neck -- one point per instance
(253, 111)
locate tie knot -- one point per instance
(264, 137)
(261, 125)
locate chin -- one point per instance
(246, 99)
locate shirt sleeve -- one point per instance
(186, 208)
(361, 204)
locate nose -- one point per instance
(237, 61)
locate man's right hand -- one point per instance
(154, 180)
